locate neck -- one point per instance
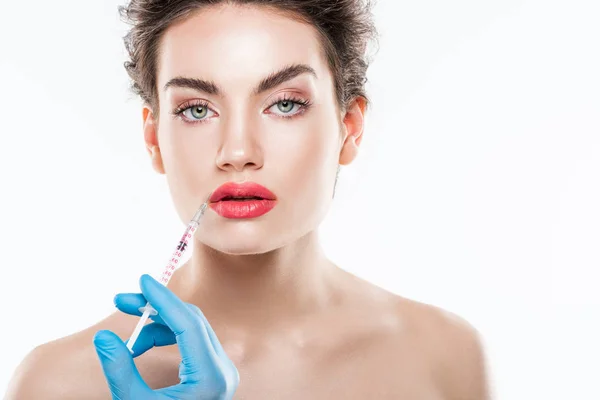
(260, 289)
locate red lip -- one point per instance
(225, 200)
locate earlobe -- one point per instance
(349, 151)
(353, 123)
(151, 140)
(157, 162)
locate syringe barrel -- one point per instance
(174, 261)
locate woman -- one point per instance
(261, 99)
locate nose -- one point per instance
(239, 149)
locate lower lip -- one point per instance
(242, 209)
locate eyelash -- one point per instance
(178, 112)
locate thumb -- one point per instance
(123, 378)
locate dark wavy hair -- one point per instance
(346, 29)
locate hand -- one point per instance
(205, 370)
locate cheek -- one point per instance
(185, 149)
(304, 154)
(186, 158)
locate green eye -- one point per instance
(285, 106)
(198, 112)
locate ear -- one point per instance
(353, 124)
(151, 140)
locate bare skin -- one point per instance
(367, 343)
(295, 325)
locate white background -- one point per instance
(477, 190)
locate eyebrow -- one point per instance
(269, 82)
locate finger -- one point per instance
(214, 340)
(123, 378)
(153, 335)
(198, 356)
(130, 303)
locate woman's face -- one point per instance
(228, 115)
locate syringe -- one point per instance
(168, 271)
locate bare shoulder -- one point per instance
(453, 347)
(449, 345)
(65, 368)
(456, 347)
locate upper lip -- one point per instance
(246, 189)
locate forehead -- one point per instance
(234, 44)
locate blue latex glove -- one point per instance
(205, 370)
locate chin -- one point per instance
(243, 251)
(253, 236)
(241, 247)
(244, 239)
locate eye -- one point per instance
(285, 106)
(196, 112)
(288, 108)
